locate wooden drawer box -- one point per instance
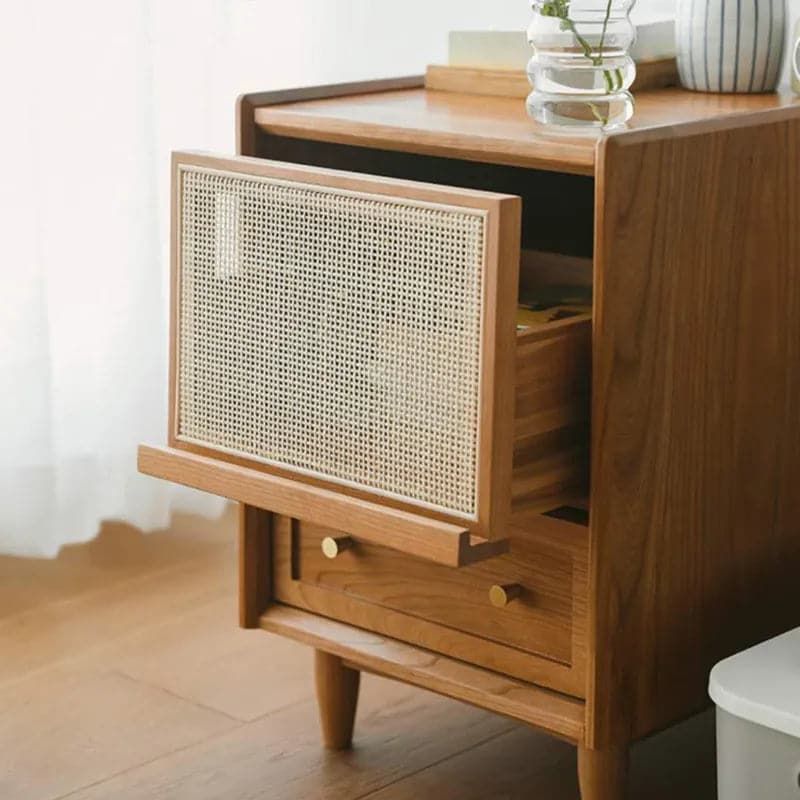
(551, 414)
(538, 636)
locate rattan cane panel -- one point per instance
(332, 332)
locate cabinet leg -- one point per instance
(603, 774)
(337, 697)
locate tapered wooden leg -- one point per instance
(603, 774)
(337, 697)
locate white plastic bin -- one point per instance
(757, 693)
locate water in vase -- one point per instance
(581, 69)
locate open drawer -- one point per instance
(353, 340)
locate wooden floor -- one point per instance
(123, 675)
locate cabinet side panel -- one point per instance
(695, 543)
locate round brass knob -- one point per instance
(332, 546)
(501, 596)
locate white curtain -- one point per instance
(82, 292)
(94, 95)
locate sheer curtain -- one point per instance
(82, 295)
(95, 94)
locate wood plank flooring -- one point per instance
(123, 675)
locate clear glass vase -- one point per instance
(581, 67)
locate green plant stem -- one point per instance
(587, 49)
(603, 33)
(597, 115)
(560, 9)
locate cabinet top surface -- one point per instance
(484, 128)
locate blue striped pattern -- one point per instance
(730, 45)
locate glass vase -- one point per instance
(581, 67)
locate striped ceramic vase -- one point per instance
(730, 45)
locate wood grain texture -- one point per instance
(498, 368)
(337, 699)
(164, 661)
(477, 80)
(696, 403)
(493, 130)
(148, 696)
(246, 104)
(486, 129)
(526, 765)
(84, 725)
(539, 639)
(695, 532)
(553, 712)
(514, 83)
(427, 538)
(603, 774)
(661, 73)
(118, 554)
(401, 730)
(201, 656)
(255, 564)
(34, 641)
(552, 409)
(539, 268)
(540, 622)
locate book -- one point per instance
(655, 40)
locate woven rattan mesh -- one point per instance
(332, 332)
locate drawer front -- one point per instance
(538, 635)
(348, 330)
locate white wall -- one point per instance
(263, 44)
(341, 39)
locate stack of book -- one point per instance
(495, 62)
(655, 41)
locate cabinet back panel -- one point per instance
(557, 209)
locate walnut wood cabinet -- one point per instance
(567, 523)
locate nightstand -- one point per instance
(567, 522)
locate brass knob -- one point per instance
(501, 596)
(332, 546)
